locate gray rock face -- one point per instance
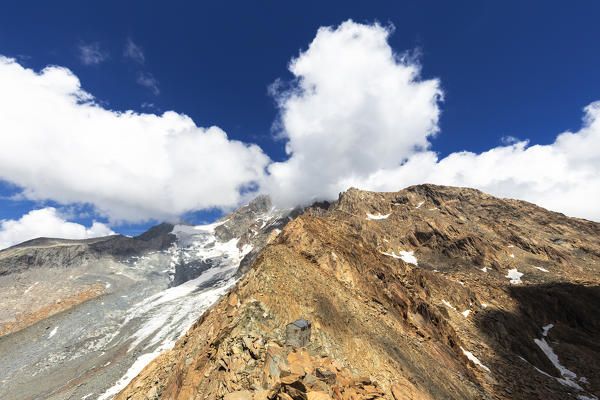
(248, 217)
(254, 224)
(156, 238)
(14, 260)
(55, 253)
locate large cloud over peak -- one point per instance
(359, 115)
(46, 222)
(354, 108)
(57, 143)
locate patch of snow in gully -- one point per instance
(471, 357)
(406, 256)
(448, 304)
(583, 397)
(567, 376)
(546, 328)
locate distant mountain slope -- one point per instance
(79, 319)
(429, 293)
(47, 266)
(55, 252)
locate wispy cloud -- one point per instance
(146, 79)
(134, 52)
(509, 140)
(91, 53)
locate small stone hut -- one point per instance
(297, 333)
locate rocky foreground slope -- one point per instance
(428, 293)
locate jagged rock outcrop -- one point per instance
(255, 224)
(428, 293)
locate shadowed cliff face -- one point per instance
(428, 293)
(565, 316)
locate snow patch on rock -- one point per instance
(447, 304)
(471, 357)
(53, 332)
(379, 216)
(514, 276)
(406, 256)
(567, 376)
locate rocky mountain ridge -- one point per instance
(428, 293)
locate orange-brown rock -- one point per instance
(317, 396)
(24, 319)
(412, 295)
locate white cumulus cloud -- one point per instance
(359, 115)
(57, 143)
(356, 107)
(46, 222)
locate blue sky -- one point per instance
(524, 70)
